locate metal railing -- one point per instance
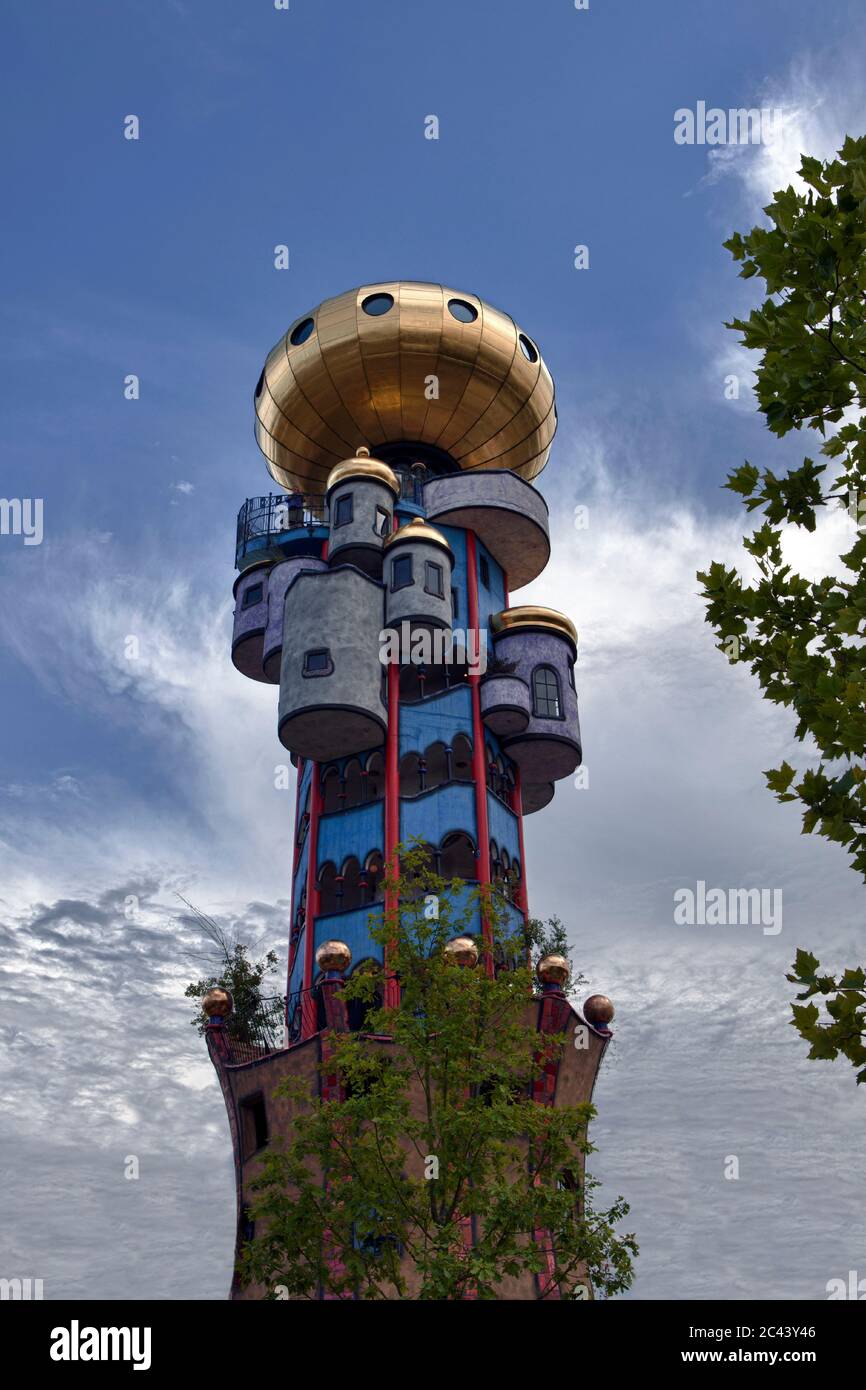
(262, 517)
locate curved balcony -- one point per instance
(281, 524)
(507, 515)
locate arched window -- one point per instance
(505, 873)
(461, 760)
(331, 790)
(373, 878)
(546, 697)
(437, 765)
(354, 783)
(410, 774)
(495, 861)
(375, 777)
(457, 856)
(328, 901)
(351, 886)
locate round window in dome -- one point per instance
(529, 350)
(377, 304)
(301, 332)
(464, 311)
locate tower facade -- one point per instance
(404, 424)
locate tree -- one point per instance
(256, 1017)
(433, 1130)
(804, 640)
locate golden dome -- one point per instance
(553, 970)
(530, 615)
(333, 955)
(362, 366)
(362, 466)
(462, 951)
(598, 1010)
(217, 1003)
(418, 530)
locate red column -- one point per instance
(392, 811)
(308, 1005)
(479, 747)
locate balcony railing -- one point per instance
(261, 518)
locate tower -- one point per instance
(405, 424)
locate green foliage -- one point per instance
(257, 1016)
(802, 639)
(451, 1093)
(842, 1032)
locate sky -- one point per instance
(127, 780)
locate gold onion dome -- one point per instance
(598, 1010)
(333, 955)
(462, 951)
(553, 970)
(217, 1003)
(362, 466)
(530, 615)
(403, 362)
(418, 530)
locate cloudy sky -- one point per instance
(126, 780)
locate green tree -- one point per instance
(448, 1101)
(802, 639)
(257, 1016)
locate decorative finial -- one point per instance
(333, 955)
(598, 1010)
(217, 1003)
(362, 452)
(553, 970)
(462, 951)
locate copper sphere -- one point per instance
(333, 955)
(462, 951)
(553, 970)
(598, 1010)
(217, 1003)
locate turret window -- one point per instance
(344, 510)
(433, 580)
(382, 524)
(318, 662)
(254, 594)
(546, 697)
(401, 572)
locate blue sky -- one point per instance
(155, 258)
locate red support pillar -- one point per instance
(392, 812)
(479, 747)
(308, 1003)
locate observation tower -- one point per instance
(404, 425)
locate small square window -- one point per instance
(401, 572)
(318, 662)
(344, 511)
(484, 569)
(433, 580)
(254, 594)
(382, 524)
